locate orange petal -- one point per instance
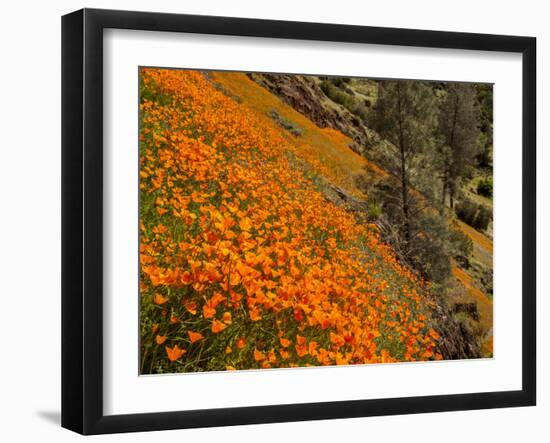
(194, 336)
(159, 299)
(217, 326)
(258, 356)
(174, 353)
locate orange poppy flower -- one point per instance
(194, 336)
(174, 353)
(159, 299)
(191, 307)
(258, 356)
(227, 317)
(433, 334)
(254, 314)
(208, 311)
(218, 326)
(285, 343)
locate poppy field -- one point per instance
(244, 262)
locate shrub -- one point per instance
(477, 216)
(337, 95)
(360, 111)
(348, 90)
(485, 187)
(483, 218)
(374, 210)
(339, 81)
(285, 124)
(345, 99)
(461, 246)
(466, 211)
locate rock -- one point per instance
(457, 340)
(305, 96)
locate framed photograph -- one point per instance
(270, 221)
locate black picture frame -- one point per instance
(82, 220)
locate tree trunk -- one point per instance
(451, 196)
(451, 185)
(404, 178)
(405, 197)
(445, 188)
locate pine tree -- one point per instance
(405, 115)
(485, 100)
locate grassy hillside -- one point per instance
(325, 149)
(328, 153)
(244, 262)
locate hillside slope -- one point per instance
(244, 262)
(327, 147)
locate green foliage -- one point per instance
(457, 135)
(344, 96)
(485, 187)
(485, 100)
(466, 211)
(477, 216)
(430, 133)
(374, 210)
(360, 110)
(429, 247)
(462, 246)
(336, 94)
(405, 114)
(339, 82)
(483, 218)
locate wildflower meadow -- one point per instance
(244, 263)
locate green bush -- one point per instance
(483, 218)
(461, 246)
(285, 124)
(485, 187)
(374, 210)
(430, 248)
(339, 81)
(477, 216)
(360, 111)
(466, 211)
(337, 95)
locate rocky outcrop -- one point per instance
(305, 96)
